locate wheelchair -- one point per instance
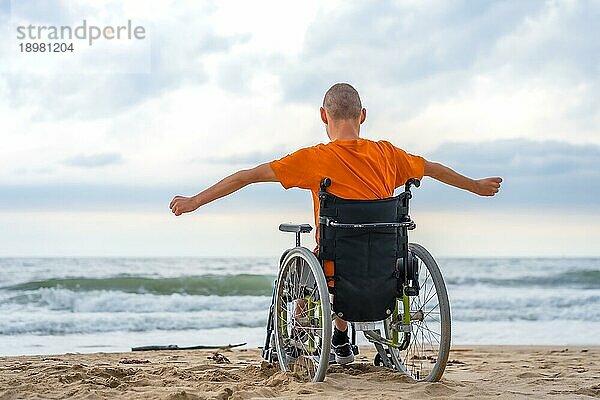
(390, 289)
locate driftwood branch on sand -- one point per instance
(175, 347)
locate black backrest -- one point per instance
(391, 209)
(365, 279)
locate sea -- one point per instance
(77, 305)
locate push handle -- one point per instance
(411, 182)
(325, 183)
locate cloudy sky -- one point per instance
(93, 145)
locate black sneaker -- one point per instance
(341, 347)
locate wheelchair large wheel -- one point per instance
(426, 353)
(302, 316)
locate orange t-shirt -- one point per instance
(360, 169)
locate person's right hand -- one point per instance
(487, 186)
(182, 204)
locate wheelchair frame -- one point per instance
(397, 326)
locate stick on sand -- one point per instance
(175, 347)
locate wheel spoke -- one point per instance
(430, 294)
(300, 320)
(420, 359)
(430, 311)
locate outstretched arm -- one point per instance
(482, 187)
(234, 182)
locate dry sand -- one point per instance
(479, 372)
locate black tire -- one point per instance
(426, 356)
(302, 315)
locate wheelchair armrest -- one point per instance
(297, 228)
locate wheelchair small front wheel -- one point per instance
(302, 316)
(424, 353)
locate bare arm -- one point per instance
(228, 185)
(482, 187)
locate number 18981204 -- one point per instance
(46, 47)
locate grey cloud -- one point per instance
(569, 50)
(255, 157)
(393, 44)
(37, 11)
(179, 43)
(413, 54)
(523, 157)
(111, 198)
(94, 160)
(410, 55)
(540, 176)
(88, 96)
(248, 158)
(536, 175)
(235, 72)
(212, 43)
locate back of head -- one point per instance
(342, 102)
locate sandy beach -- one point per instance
(479, 372)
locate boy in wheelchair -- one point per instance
(359, 169)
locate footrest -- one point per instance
(364, 326)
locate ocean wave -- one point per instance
(114, 301)
(225, 285)
(526, 311)
(60, 323)
(583, 279)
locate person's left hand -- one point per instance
(182, 204)
(487, 186)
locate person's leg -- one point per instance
(341, 342)
(300, 311)
(341, 325)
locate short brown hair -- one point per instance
(342, 102)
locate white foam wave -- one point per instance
(58, 323)
(116, 301)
